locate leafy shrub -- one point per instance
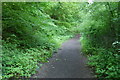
(18, 63)
(30, 36)
(106, 64)
(100, 38)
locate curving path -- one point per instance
(68, 62)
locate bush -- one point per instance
(99, 38)
(106, 64)
(18, 63)
(30, 36)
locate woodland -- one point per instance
(33, 31)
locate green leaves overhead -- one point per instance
(30, 35)
(32, 31)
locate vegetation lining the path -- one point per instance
(100, 29)
(33, 30)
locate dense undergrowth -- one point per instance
(32, 31)
(100, 38)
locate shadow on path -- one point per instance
(68, 62)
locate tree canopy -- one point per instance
(32, 31)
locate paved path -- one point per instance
(67, 63)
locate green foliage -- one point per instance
(106, 64)
(99, 40)
(18, 63)
(30, 25)
(31, 34)
(33, 31)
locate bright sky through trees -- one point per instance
(90, 1)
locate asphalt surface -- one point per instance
(68, 62)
